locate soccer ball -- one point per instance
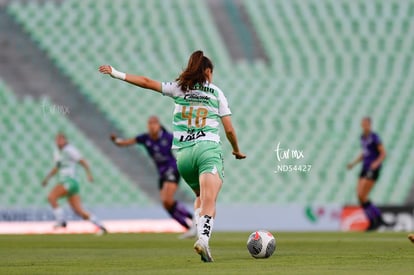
(261, 244)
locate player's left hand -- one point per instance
(90, 178)
(239, 155)
(44, 183)
(105, 69)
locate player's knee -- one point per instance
(167, 203)
(362, 198)
(51, 199)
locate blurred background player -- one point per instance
(200, 106)
(67, 157)
(158, 142)
(372, 156)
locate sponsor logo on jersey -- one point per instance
(195, 97)
(203, 88)
(192, 135)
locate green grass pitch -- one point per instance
(296, 253)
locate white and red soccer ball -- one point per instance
(261, 244)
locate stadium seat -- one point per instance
(27, 147)
(330, 63)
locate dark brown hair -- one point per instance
(195, 71)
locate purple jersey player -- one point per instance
(371, 149)
(158, 143)
(372, 156)
(160, 151)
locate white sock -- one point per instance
(93, 219)
(205, 227)
(59, 214)
(196, 220)
(196, 217)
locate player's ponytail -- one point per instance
(195, 71)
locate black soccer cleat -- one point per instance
(373, 226)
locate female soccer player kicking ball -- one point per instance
(158, 142)
(372, 156)
(199, 108)
(66, 158)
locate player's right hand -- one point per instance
(239, 155)
(349, 166)
(44, 183)
(105, 69)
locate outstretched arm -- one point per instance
(123, 142)
(50, 175)
(140, 81)
(85, 165)
(231, 136)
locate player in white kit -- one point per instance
(67, 157)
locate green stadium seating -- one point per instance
(28, 129)
(331, 62)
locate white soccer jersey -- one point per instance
(197, 113)
(67, 160)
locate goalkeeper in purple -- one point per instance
(158, 143)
